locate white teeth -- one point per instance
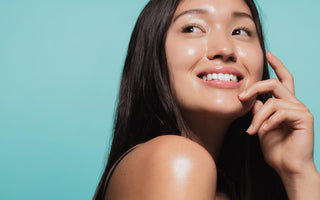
(234, 78)
(220, 77)
(227, 77)
(209, 77)
(214, 76)
(204, 78)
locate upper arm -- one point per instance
(167, 167)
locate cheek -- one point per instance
(183, 55)
(252, 57)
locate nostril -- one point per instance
(232, 59)
(226, 59)
(217, 57)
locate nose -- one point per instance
(220, 46)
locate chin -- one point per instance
(230, 109)
(227, 110)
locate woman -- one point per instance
(194, 71)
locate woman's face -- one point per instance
(213, 53)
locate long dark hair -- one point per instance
(147, 109)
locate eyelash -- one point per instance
(185, 28)
(243, 28)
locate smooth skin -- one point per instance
(212, 35)
(174, 167)
(167, 167)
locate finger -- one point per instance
(281, 71)
(293, 118)
(271, 85)
(268, 109)
(257, 106)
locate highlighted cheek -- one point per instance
(191, 52)
(241, 52)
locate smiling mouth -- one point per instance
(220, 77)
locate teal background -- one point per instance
(60, 65)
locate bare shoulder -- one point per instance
(166, 167)
(171, 146)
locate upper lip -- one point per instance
(221, 69)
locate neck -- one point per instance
(209, 132)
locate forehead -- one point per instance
(215, 7)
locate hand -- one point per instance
(283, 123)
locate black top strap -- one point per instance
(116, 164)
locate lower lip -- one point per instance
(222, 84)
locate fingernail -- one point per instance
(250, 129)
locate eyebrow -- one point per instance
(203, 11)
(242, 15)
(192, 11)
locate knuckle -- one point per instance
(282, 113)
(274, 82)
(303, 107)
(271, 102)
(310, 116)
(272, 120)
(290, 77)
(308, 110)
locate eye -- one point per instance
(242, 31)
(191, 29)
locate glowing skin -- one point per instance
(206, 35)
(218, 37)
(181, 167)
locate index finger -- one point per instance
(281, 71)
